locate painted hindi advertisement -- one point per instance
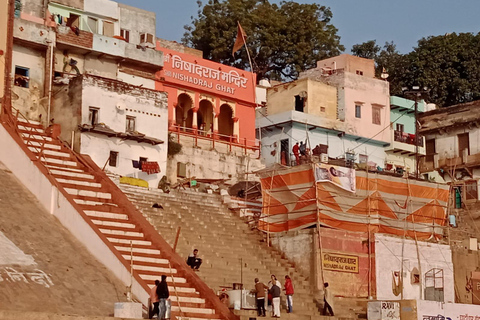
(383, 310)
(340, 176)
(430, 310)
(340, 262)
(203, 74)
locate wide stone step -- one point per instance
(80, 182)
(88, 193)
(108, 215)
(50, 160)
(72, 174)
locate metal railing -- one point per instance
(230, 141)
(409, 138)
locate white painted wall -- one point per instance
(54, 202)
(451, 311)
(136, 80)
(28, 101)
(388, 257)
(104, 8)
(151, 120)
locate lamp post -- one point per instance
(417, 93)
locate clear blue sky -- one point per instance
(401, 21)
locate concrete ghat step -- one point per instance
(169, 278)
(88, 193)
(35, 136)
(92, 203)
(72, 174)
(114, 224)
(187, 299)
(181, 289)
(146, 259)
(193, 310)
(28, 122)
(80, 183)
(58, 161)
(138, 250)
(46, 145)
(48, 152)
(61, 168)
(125, 241)
(154, 269)
(122, 233)
(109, 215)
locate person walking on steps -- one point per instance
(154, 299)
(328, 300)
(275, 290)
(260, 297)
(289, 293)
(194, 261)
(163, 295)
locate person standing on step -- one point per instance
(260, 297)
(289, 293)
(154, 299)
(163, 295)
(275, 291)
(328, 300)
(194, 261)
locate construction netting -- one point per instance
(342, 198)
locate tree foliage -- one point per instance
(447, 65)
(283, 39)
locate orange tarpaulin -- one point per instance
(381, 203)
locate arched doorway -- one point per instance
(225, 121)
(205, 117)
(184, 106)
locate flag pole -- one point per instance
(249, 61)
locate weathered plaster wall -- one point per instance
(147, 106)
(105, 8)
(101, 67)
(350, 64)
(281, 98)
(173, 45)
(66, 110)
(29, 100)
(33, 8)
(212, 164)
(136, 80)
(58, 57)
(77, 4)
(388, 254)
(137, 21)
(464, 263)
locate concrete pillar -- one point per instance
(236, 129)
(194, 118)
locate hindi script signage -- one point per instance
(340, 262)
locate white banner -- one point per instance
(341, 176)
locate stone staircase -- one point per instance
(119, 224)
(231, 252)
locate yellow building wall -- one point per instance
(321, 98)
(3, 43)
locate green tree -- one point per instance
(449, 66)
(283, 39)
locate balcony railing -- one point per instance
(220, 142)
(409, 138)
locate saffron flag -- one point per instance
(240, 41)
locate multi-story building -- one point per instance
(339, 108)
(3, 44)
(89, 66)
(402, 150)
(211, 113)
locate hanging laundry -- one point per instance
(150, 167)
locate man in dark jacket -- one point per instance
(163, 295)
(194, 261)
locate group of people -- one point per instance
(301, 152)
(274, 290)
(158, 296)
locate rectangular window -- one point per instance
(146, 38)
(359, 72)
(463, 144)
(471, 190)
(400, 127)
(125, 34)
(376, 115)
(358, 111)
(108, 29)
(93, 116)
(322, 109)
(113, 160)
(430, 150)
(130, 127)
(22, 77)
(73, 20)
(299, 103)
(92, 24)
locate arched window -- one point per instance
(205, 117)
(225, 122)
(184, 106)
